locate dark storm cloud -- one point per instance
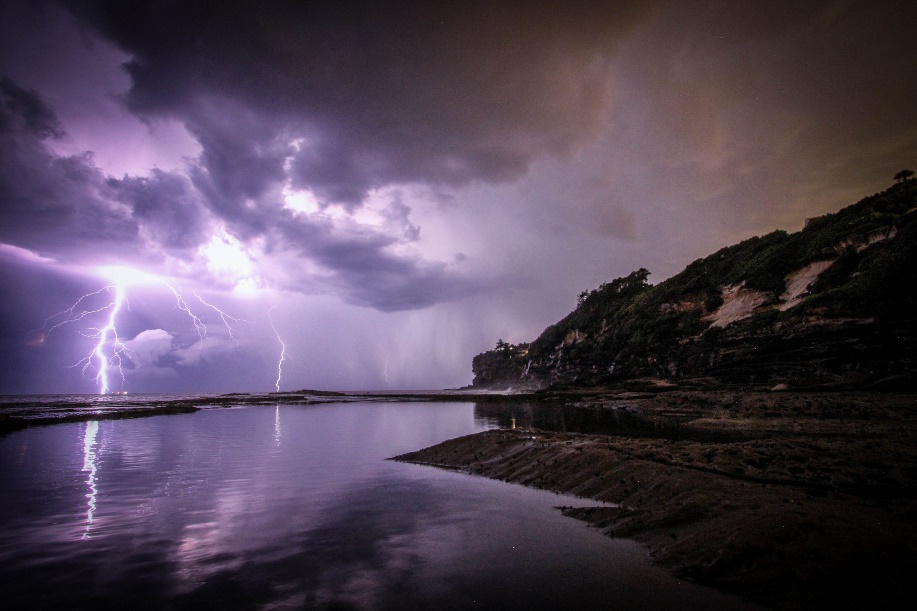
(64, 207)
(714, 105)
(770, 112)
(48, 203)
(380, 92)
(557, 145)
(361, 267)
(367, 275)
(25, 112)
(242, 161)
(344, 98)
(171, 211)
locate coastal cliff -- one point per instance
(833, 306)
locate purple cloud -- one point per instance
(380, 93)
(48, 203)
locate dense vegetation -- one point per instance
(855, 321)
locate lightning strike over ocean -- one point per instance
(117, 346)
(110, 351)
(692, 224)
(283, 350)
(107, 336)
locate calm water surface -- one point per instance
(296, 507)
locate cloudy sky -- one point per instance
(380, 190)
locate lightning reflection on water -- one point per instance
(90, 466)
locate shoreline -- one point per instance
(795, 500)
(808, 504)
(18, 415)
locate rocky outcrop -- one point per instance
(506, 366)
(833, 305)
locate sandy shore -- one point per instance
(792, 500)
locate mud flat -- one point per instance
(791, 500)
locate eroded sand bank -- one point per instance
(795, 500)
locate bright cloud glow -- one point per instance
(228, 260)
(300, 201)
(127, 276)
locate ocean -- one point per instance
(294, 506)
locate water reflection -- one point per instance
(89, 465)
(565, 418)
(211, 510)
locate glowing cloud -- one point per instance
(127, 276)
(228, 260)
(302, 201)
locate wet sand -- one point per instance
(791, 500)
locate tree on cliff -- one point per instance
(904, 175)
(635, 281)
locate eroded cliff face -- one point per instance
(504, 367)
(833, 305)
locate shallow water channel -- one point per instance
(296, 507)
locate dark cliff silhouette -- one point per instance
(831, 306)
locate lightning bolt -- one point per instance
(199, 326)
(182, 305)
(106, 356)
(107, 336)
(226, 318)
(117, 346)
(71, 315)
(283, 349)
